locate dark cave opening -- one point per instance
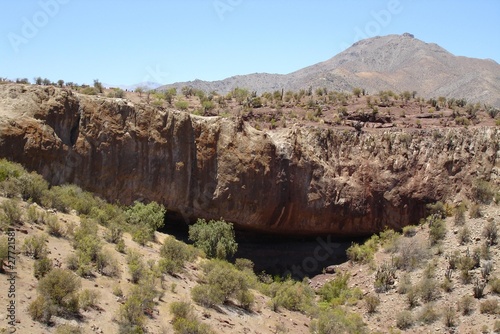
(277, 255)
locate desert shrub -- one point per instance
(291, 295)
(449, 316)
(405, 284)
(404, 320)
(478, 288)
(447, 284)
(482, 191)
(107, 264)
(489, 306)
(88, 299)
(11, 213)
(215, 238)
(428, 289)
(32, 187)
(42, 266)
(174, 255)
(464, 235)
(372, 301)
(224, 281)
(54, 227)
(35, 246)
(438, 209)
(182, 105)
(68, 329)
(337, 292)
(67, 197)
(114, 233)
(86, 239)
(412, 297)
(496, 326)
(207, 296)
(437, 229)
(410, 253)
(409, 231)
(475, 211)
(10, 170)
(41, 310)
(486, 269)
(337, 320)
(466, 305)
(120, 246)
(140, 300)
(59, 286)
(363, 253)
(459, 218)
(35, 216)
(495, 285)
(145, 219)
(136, 266)
(244, 264)
(384, 277)
(428, 314)
(490, 232)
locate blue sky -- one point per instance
(129, 41)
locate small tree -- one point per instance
(356, 91)
(146, 218)
(215, 238)
(98, 86)
(60, 82)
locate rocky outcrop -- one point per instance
(299, 180)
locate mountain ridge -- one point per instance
(392, 62)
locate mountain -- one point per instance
(393, 62)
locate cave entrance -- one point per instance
(277, 254)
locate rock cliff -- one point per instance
(298, 180)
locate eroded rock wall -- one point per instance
(299, 180)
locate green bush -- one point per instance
(182, 105)
(215, 238)
(41, 310)
(140, 299)
(107, 265)
(337, 320)
(88, 299)
(372, 301)
(437, 229)
(59, 286)
(11, 213)
(363, 253)
(136, 266)
(35, 246)
(174, 255)
(67, 197)
(384, 278)
(337, 292)
(145, 219)
(292, 295)
(42, 267)
(225, 282)
(114, 233)
(54, 227)
(409, 231)
(86, 239)
(32, 187)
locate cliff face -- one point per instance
(299, 180)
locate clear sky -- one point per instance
(130, 41)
